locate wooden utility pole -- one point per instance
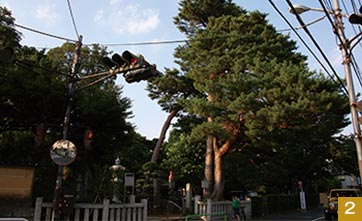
(66, 124)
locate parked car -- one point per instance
(331, 211)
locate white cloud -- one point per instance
(47, 13)
(114, 2)
(99, 16)
(148, 20)
(131, 19)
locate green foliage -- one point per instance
(258, 87)
(185, 157)
(342, 156)
(152, 173)
(101, 186)
(34, 92)
(9, 36)
(195, 14)
(171, 87)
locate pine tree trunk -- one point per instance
(218, 191)
(166, 125)
(209, 166)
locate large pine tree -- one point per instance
(259, 90)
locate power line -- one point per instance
(344, 90)
(145, 43)
(300, 20)
(73, 20)
(46, 34)
(300, 27)
(354, 63)
(342, 43)
(108, 44)
(26, 65)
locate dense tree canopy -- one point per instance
(248, 109)
(34, 97)
(260, 94)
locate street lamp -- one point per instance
(346, 49)
(299, 9)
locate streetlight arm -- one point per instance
(299, 9)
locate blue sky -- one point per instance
(121, 22)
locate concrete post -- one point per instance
(188, 197)
(196, 204)
(105, 212)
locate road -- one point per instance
(309, 215)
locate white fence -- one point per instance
(92, 212)
(210, 207)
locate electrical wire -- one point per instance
(145, 43)
(301, 27)
(26, 65)
(354, 62)
(356, 11)
(73, 20)
(43, 33)
(349, 54)
(105, 44)
(332, 23)
(304, 26)
(344, 89)
(317, 45)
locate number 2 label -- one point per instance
(350, 208)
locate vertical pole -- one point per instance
(66, 124)
(345, 49)
(145, 208)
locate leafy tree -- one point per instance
(33, 93)
(9, 37)
(184, 153)
(260, 92)
(194, 16)
(342, 152)
(168, 89)
(100, 108)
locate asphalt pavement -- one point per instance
(314, 214)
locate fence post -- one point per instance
(145, 208)
(105, 212)
(209, 208)
(132, 198)
(38, 206)
(196, 204)
(188, 197)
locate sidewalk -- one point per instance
(164, 218)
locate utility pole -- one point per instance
(66, 124)
(346, 56)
